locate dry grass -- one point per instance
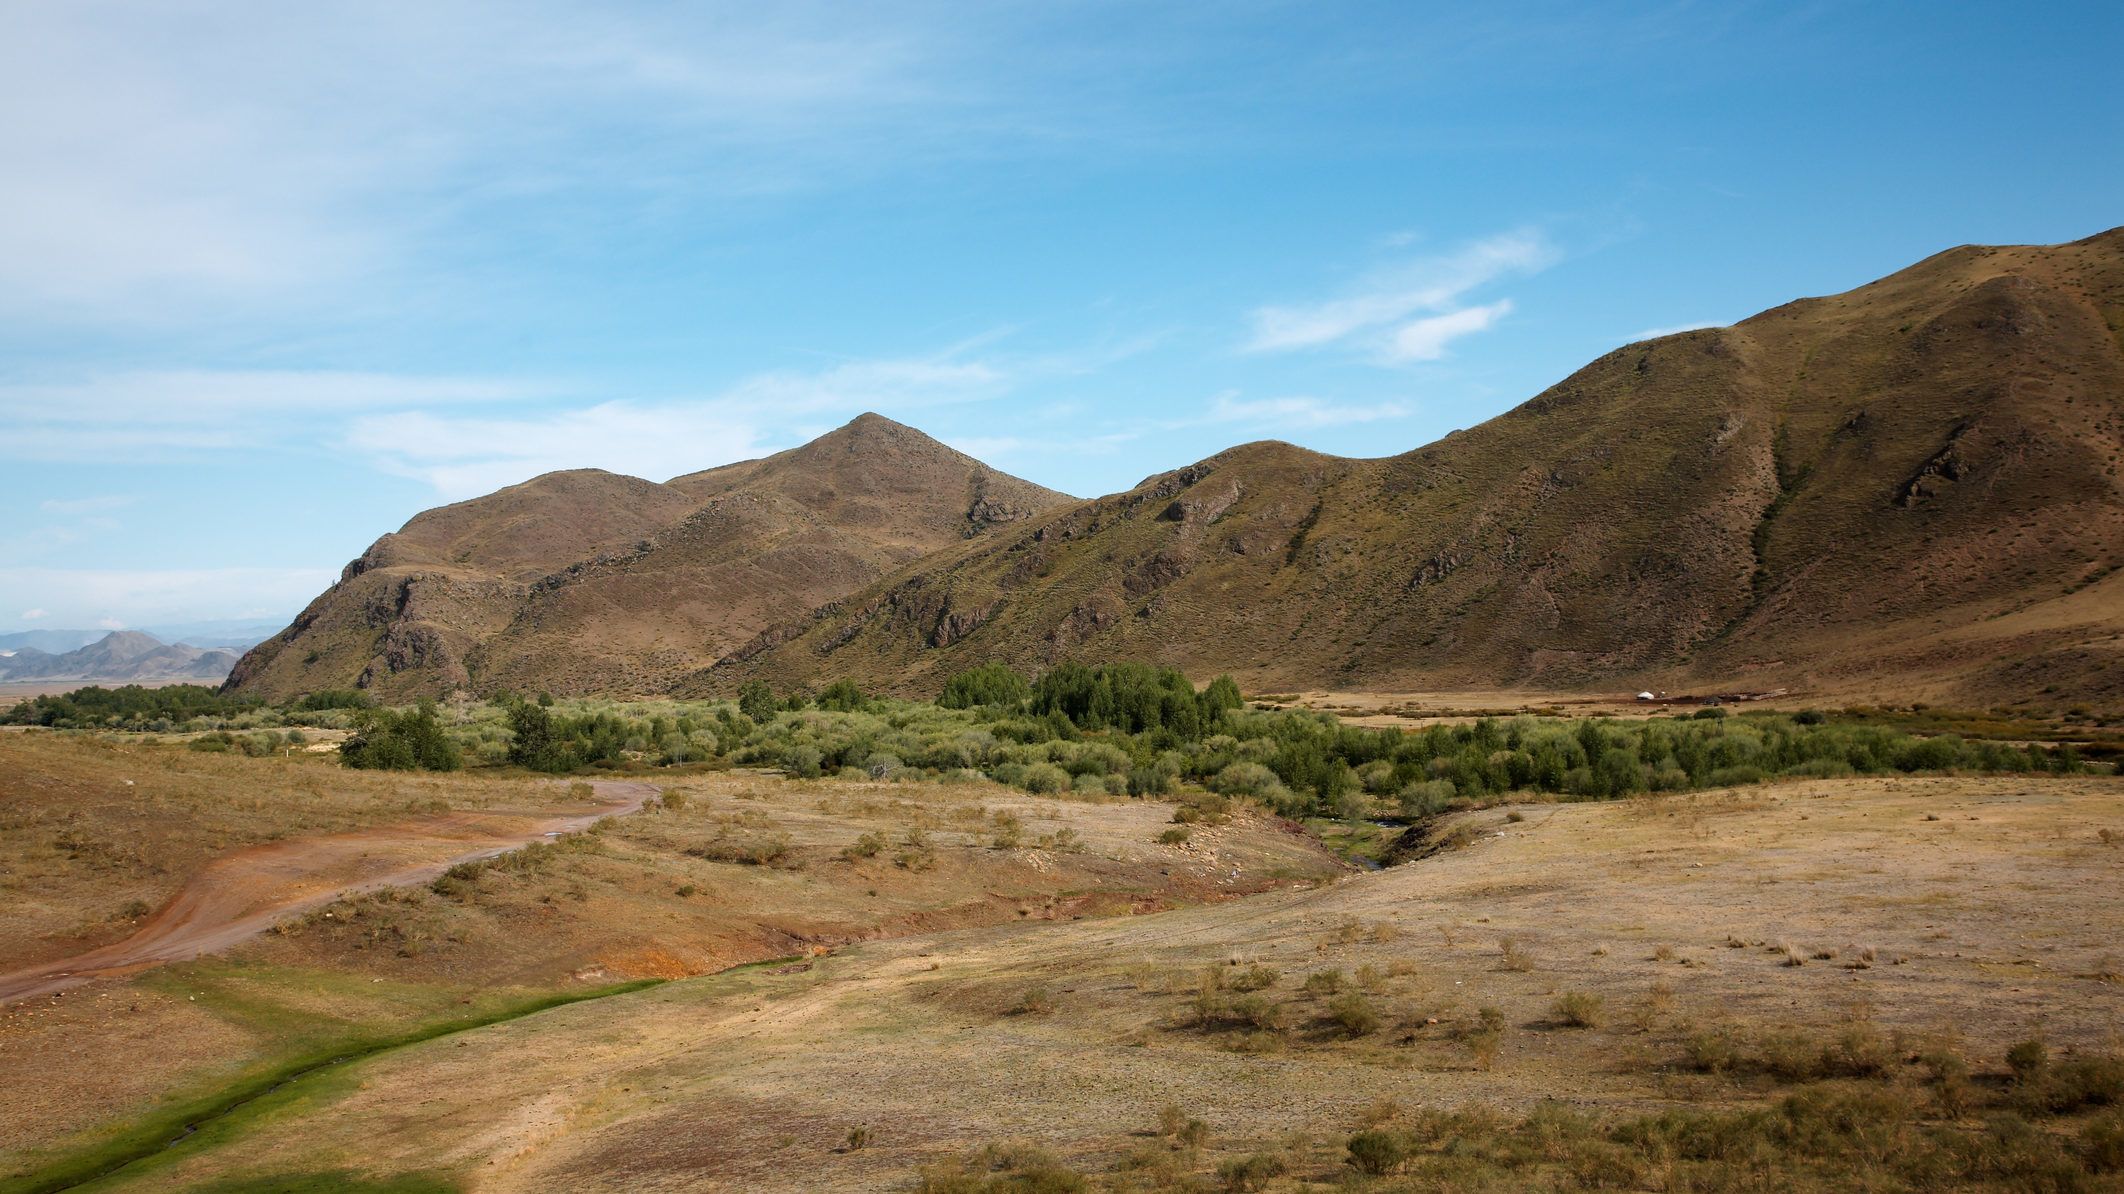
(699, 1082)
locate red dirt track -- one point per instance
(247, 891)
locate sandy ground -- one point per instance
(243, 893)
(1986, 909)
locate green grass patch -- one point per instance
(216, 1117)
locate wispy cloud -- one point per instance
(462, 455)
(246, 151)
(180, 413)
(1426, 339)
(92, 596)
(1297, 412)
(1378, 315)
(1676, 330)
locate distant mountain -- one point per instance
(229, 634)
(1911, 489)
(49, 641)
(121, 656)
(586, 581)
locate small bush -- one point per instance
(1252, 1172)
(2102, 1144)
(2027, 1060)
(1577, 1009)
(1354, 1014)
(1175, 836)
(1377, 1152)
(1325, 982)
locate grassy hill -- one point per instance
(585, 581)
(1911, 485)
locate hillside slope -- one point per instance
(585, 581)
(1915, 480)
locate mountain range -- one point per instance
(1911, 486)
(120, 656)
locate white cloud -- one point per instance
(159, 415)
(466, 455)
(1368, 316)
(1299, 411)
(1676, 330)
(96, 596)
(175, 161)
(1426, 339)
(111, 623)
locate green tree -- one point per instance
(400, 740)
(756, 700)
(988, 684)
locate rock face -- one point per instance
(585, 581)
(1916, 480)
(123, 656)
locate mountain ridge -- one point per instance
(1817, 496)
(588, 581)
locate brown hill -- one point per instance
(584, 581)
(1911, 487)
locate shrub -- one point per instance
(1577, 1009)
(1204, 809)
(1376, 1152)
(1252, 1172)
(1426, 798)
(1712, 1052)
(1354, 1014)
(764, 851)
(1246, 779)
(1256, 1011)
(2027, 1060)
(1043, 779)
(2102, 1144)
(1173, 837)
(870, 845)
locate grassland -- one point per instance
(1813, 985)
(725, 869)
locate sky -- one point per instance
(274, 278)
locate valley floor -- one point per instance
(1952, 912)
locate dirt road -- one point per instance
(241, 894)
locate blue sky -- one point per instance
(273, 278)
